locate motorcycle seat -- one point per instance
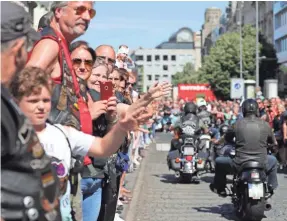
(251, 165)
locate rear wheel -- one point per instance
(251, 210)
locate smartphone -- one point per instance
(106, 90)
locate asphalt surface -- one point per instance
(157, 195)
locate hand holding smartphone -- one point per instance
(106, 90)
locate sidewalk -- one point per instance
(131, 181)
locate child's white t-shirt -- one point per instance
(56, 146)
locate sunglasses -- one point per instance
(104, 58)
(88, 63)
(82, 9)
(115, 79)
(132, 84)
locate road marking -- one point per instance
(162, 146)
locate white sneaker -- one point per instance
(118, 218)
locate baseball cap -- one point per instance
(16, 22)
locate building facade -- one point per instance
(280, 31)
(214, 35)
(212, 18)
(244, 12)
(36, 9)
(41, 9)
(162, 62)
(280, 40)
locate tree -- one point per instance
(223, 62)
(187, 75)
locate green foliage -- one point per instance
(188, 75)
(283, 69)
(223, 61)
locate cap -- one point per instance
(16, 22)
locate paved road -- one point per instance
(158, 197)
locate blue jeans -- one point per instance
(153, 130)
(216, 133)
(225, 166)
(92, 198)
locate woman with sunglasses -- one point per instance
(32, 90)
(83, 58)
(92, 71)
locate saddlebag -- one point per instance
(172, 155)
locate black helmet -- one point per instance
(250, 107)
(223, 129)
(190, 107)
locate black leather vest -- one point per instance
(29, 184)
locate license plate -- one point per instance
(255, 191)
(188, 151)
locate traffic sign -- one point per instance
(236, 88)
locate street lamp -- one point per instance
(257, 46)
(240, 31)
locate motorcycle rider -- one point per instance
(189, 114)
(226, 142)
(203, 115)
(252, 137)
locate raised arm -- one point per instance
(109, 144)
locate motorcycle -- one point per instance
(188, 161)
(205, 152)
(250, 191)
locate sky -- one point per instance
(144, 24)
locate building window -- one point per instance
(148, 57)
(189, 58)
(165, 58)
(156, 77)
(149, 77)
(165, 67)
(181, 58)
(157, 58)
(281, 18)
(173, 58)
(139, 58)
(281, 44)
(165, 76)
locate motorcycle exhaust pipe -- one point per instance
(177, 174)
(268, 206)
